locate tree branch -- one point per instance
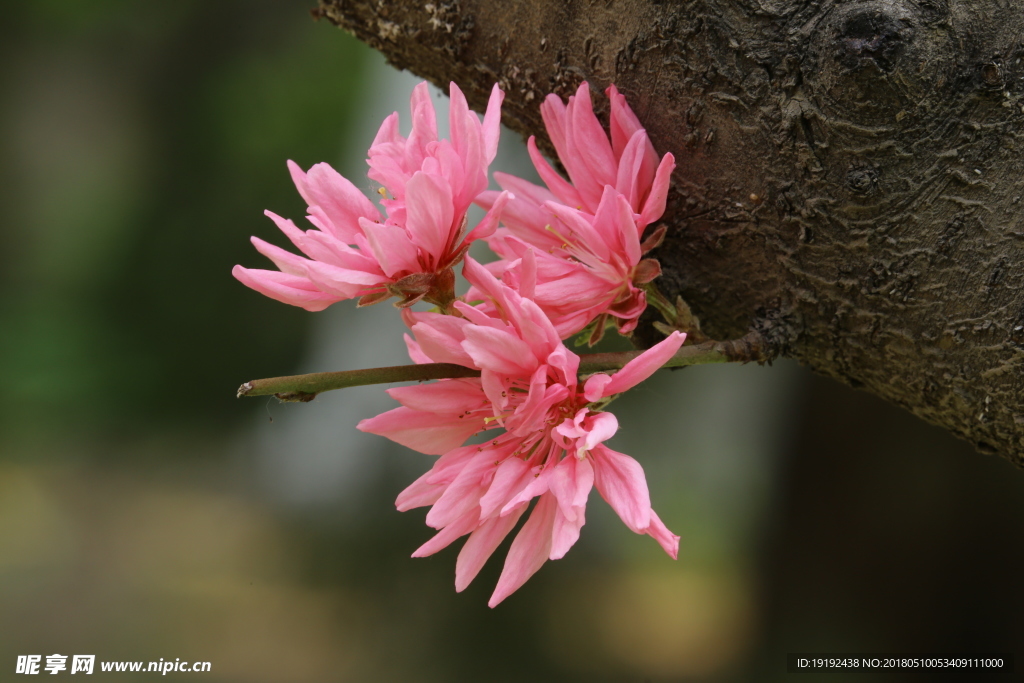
(304, 388)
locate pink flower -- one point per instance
(589, 267)
(428, 185)
(551, 440)
(627, 162)
(588, 232)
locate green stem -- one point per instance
(305, 387)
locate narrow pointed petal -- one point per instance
(285, 261)
(458, 528)
(387, 134)
(419, 494)
(489, 223)
(440, 337)
(464, 493)
(429, 213)
(428, 488)
(289, 289)
(415, 352)
(636, 170)
(553, 112)
(444, 397)
(565, 532)
(529, 550)
(299, 178)
(665, 538)
(499, 351)
(524, 188)
(480, 545)
(558, 185)
(465, 132)
(538, 486)
(342, 281)
(654, 205)
(636, 370)
(492, 124)
(342, 202)
(624, 123)
(424, 432)
(571, 482)
(509, 478)
(596, 165)
(621, 482)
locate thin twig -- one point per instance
(304, 388)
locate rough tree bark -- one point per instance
(849, 173)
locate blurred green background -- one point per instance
(146, 513)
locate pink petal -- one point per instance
(529, 550)
(342, 281)
(464, 493)
(571, 482)
(636, 370)
(558, 185)
(388, 132)
(486, 284)
(424, 432)
(526, 220)
(391, 247)
(499, 352)
(480, 545)
(590, 161)
(459, 527)
(528, 274)
(553, 112)
(415, 352)
(665, 538)
(419, 494)
(535, 194)
(565, 532)
(489, 223)
(429, 213)
(531, 416)
(620, 480)
(577, 227)
(387, 170)
(509, 478)
(424, 127)
(601, 427)
(464, 130)
(440, 337)
(342, 203)
(492, 124)
(596, 387)
(636, 169)
(624, 123)
(444, 397)
(299, 178)
(654, 206)
(537, 486)
(290, 289)
(285, 261)
(429, 487)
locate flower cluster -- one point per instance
(427, 185)
(588, 233)
(571, 258)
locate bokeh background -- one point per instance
(147, 513)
